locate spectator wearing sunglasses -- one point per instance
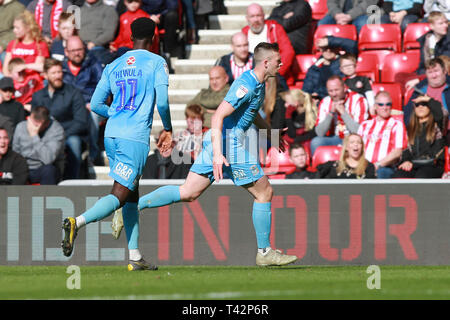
(384, 137)
(424, 156)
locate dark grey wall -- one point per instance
(324, 224)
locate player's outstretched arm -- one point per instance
(223, 111)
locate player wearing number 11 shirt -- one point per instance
(137, 80)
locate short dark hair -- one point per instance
(264, 46)
(50, 62)
(296, 145)
(6, 130)
(41, 113)
(431, 63)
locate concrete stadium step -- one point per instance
(215, 36)
(230, 22)
(207, 51)
(176, 126)
(181, 96)
(190, 66)
(188, 81)
(240, 7)
(176, 112)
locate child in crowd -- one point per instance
(189, 141)
(299, 157)
(359, 84)
(27, 45)
(123, 41)
(66, 29)
(25, 83)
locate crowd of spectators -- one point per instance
(51, 63)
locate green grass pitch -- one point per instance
(225, 283)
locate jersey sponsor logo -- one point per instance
(131, 60)
(239, 174)
(241, 91)
(123, 170)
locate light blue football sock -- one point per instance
(130, 216)
(262, 221)
(160, 197)
(102, 209)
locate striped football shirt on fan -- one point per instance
(381, 137)
(356, 106)
(238, 70)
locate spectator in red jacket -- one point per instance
(123, 41)
(261, 30)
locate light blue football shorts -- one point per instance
(244, 167)
(126, 160)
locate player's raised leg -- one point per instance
(190, 190)
(262, 221)
(101, 209)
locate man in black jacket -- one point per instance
(9, 107)
(295, 17)
(13, 167)
(66, 105)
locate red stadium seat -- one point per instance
(379, 54)
(325, 153)
(394, 90)
(343, 31)
(304, 61)
(367, 65)
(413, 32)
(319, 8)
(278, 162)
(380, 37)
(399, 63)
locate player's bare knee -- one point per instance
(187, 195)
(268, 194)
(265, 195)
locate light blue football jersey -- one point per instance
(246, 95)
(132, 79)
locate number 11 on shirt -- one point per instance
(123, 94)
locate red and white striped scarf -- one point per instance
(57, 9)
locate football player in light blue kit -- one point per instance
(133, 80)
(224, 150)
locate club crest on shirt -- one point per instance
(131, 60)
(241, 91)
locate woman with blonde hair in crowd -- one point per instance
(28, 44)
(300, 117)
(352, 163)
